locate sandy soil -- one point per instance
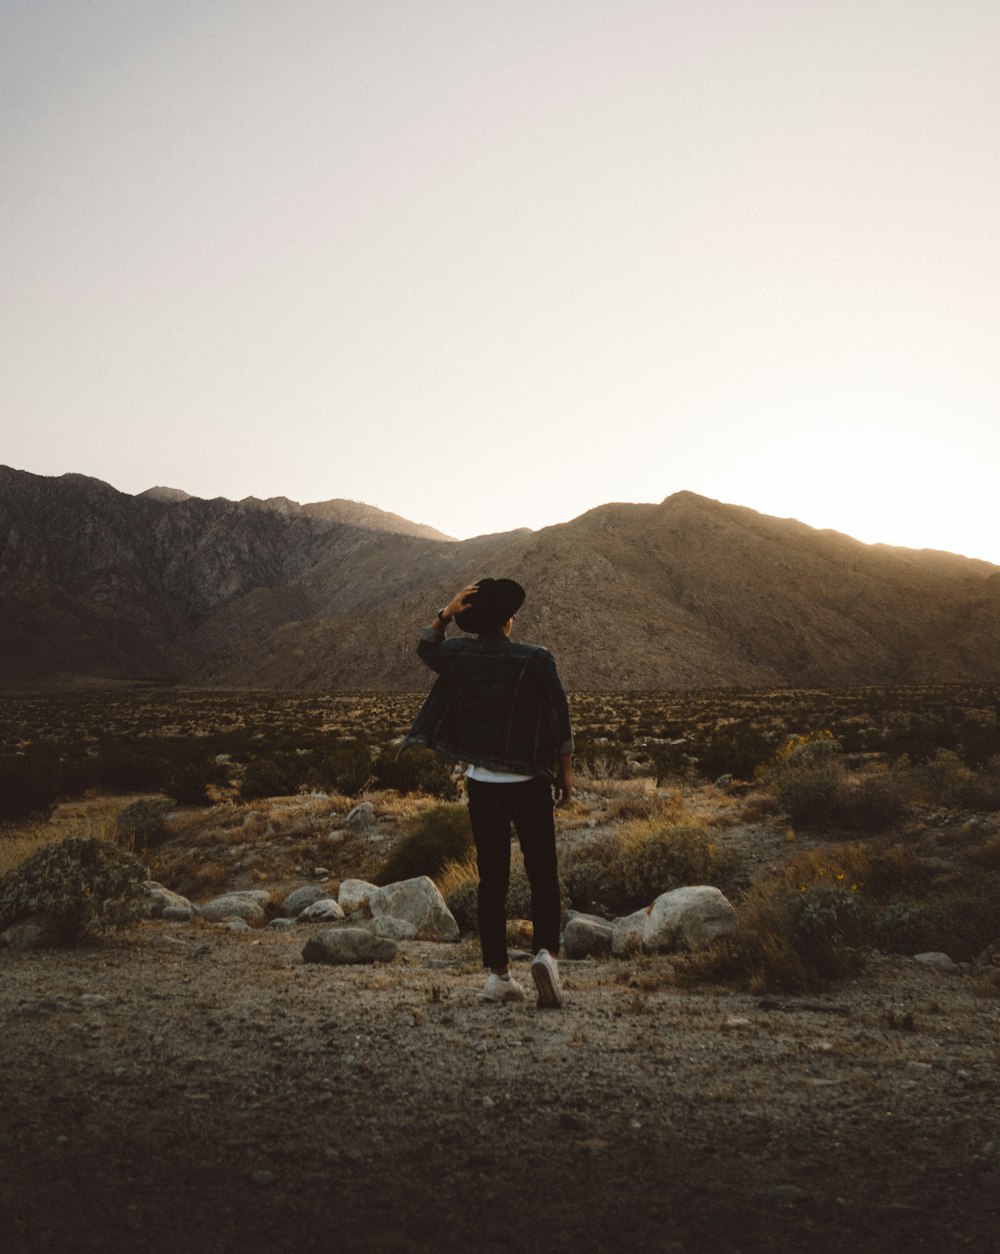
(183, 1088)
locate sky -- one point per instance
(491, 264)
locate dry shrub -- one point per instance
(637, 802)
(80, 885)
(432, 838)
(651, 857)
(798, 929)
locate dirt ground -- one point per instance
(185, 1088)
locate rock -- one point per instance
(420, 903)
(938, 961)
(687, 918)
(355, 896)
(299, 898)
(361, 818)
(281, 925)
(162, 903)
(587, 935)
(393, 929)
(237, 925)
(347, 946)
(178, 914)
(249, 905)
(320, 872)
(28, 934)
(326, 910)
(626, 933)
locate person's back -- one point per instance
(499, 706)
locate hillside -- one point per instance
(689, 593)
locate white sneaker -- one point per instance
(545, 973)
(498, 989)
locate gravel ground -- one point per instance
(184, 1088)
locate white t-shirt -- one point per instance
(487, 776)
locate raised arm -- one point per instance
(432, 636)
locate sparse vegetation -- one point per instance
(431, 839)
(76, 886)
(904, 774)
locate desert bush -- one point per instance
(587, 879)
(649, 858)
(430, 839)
(78, 885)
(797, 930)
(416, 770)
(814, 788)
(599, 759)
(272, 777)
(738, 749)
(345, 766)
(142, 825)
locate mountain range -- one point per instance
(689, 593)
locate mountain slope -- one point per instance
(687, 593)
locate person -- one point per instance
(499, 706)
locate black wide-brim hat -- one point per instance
(491, 605)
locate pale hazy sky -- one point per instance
(490, 264)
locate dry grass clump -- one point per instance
(798, 928)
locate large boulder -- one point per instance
(419, 902)
(163, 903)
(626, 934)
(355, 895)
(687, 918)
(346, 946)
(250, 905)
(587, 935)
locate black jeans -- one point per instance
(492, 809)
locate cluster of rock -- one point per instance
(367, 922)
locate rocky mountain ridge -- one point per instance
(690, 593)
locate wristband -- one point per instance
(443, 617)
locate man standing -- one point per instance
(499, 706)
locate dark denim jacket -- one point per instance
(497, 703)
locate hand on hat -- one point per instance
(460, 601)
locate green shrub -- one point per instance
(80, 885)
(737, 749)
(344, 767)
(271, 777)
(416, 770)
(649, 859)
(430, 839)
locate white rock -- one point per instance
(355, 895)
(687, 918)
(361, 818)
(419, 902)
(299, 898)
(160, 900)
(326, 910)
(249, 905)
(626, 933)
